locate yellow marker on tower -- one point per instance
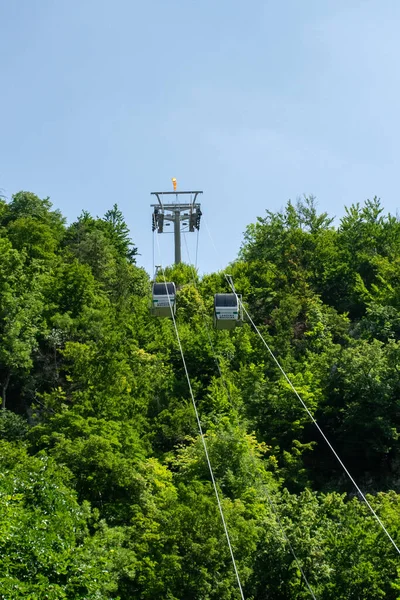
(174, 183)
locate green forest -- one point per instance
(105, 492)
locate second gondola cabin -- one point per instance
(227, 311)
(163, 299)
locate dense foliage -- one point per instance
(104, 487)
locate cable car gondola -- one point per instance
(227, 311)
(163, 299)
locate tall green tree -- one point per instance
(21, 305)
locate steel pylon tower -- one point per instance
(187, 213)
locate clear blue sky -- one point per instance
(254, 103)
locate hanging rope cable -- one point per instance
(362, 495)
(209, 234)
(315, 422)
(202, 435)
(263, 486)
(154, 269)
(197, 249)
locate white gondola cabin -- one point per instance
(227, 311)
(163, 299)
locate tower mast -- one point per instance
(187, 213)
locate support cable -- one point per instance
(361, 494)
(263, 486)
(197, 248)
(154, 269)
(315, 422)
(202, 436)
(210, 236)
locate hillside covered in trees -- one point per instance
(105, 492)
